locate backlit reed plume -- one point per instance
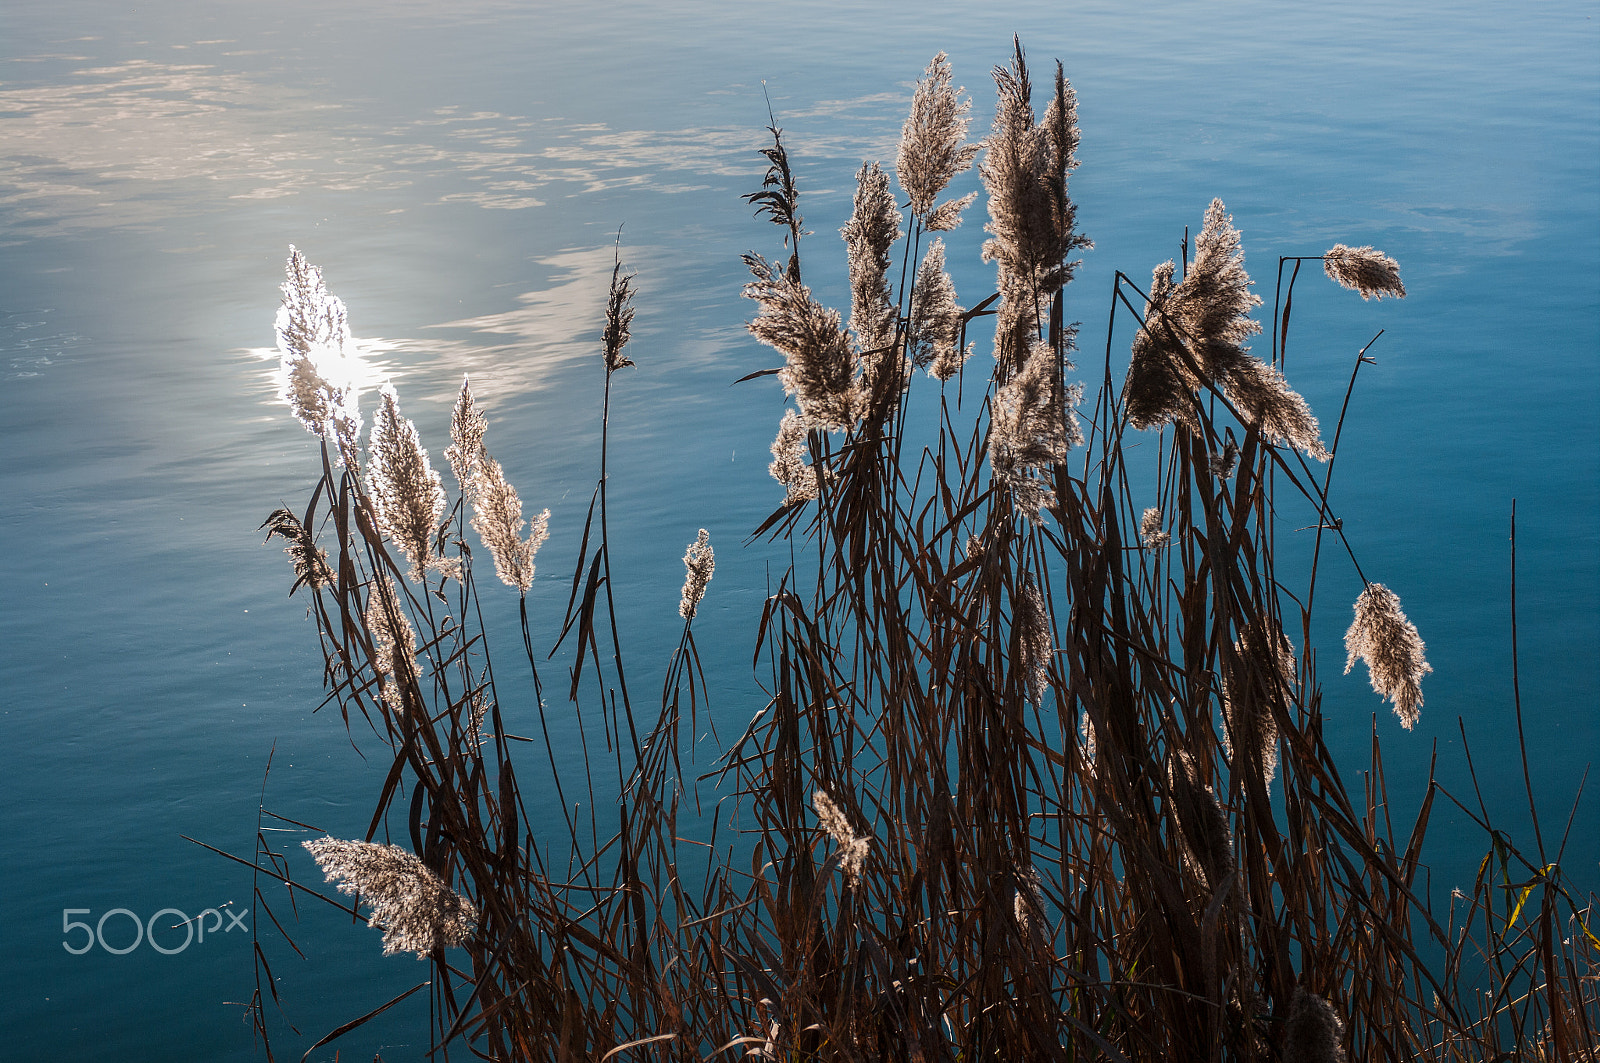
(1224, 465)
(819, 368)
(1313, 1033)
(852, 847)
(1027, 907)
(497, 518)
(1151, 534)
(936, 319)
(1031, 218)
(310, 562)
(1030, 431)
(1382, 636)
(319, 379)
(789, 465)
(467, 426)
(1201, 327)
(871, 230)
(1365, 270)
(933, 148)
(699, 562)
(1259, 677)
(619, 317)
(1203, 832)
(406, 492)
(1035, 644)
(417, 910)
(393, 638)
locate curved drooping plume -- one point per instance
(1381, 636)
(933, 148)
(1365, 270)
(310, 560)
(416, 909)
(407, 495)
(853, 847)
(320, 380)
(1195, 333)
(820, 368)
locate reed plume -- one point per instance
(393, 639)
(820, 367)
(497, 518)
(319, 379)
(619, 319)
(467, 426)
(1381, 636)
(1151, 533)
(1224, 465)
(933, 148)
(416, 909)
(1259, 677)
(936, 319)
(853, 848)
(1030, 431)
(699, 562)
(871, 230)
(1035, 645)
(1204, 836)
(310, 561)
(1365, 270)
(1313, 1033)
(407, 495)
(1159, 387)
(789, 466)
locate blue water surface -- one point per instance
(461, 172)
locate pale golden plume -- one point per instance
(1035, 643)
(497, 518)
(699, 563)
(1259, 677)
(394, 641)
(318, 376)
(407, 494)
(416, 909)
(820, 367)
(853, 848)
(1032, 425)
(1151, 533)
(932, 143)
(1381, 636)
(789, 465)
(872, 230)
(467, 426)
(935, 318)
(1365, 270)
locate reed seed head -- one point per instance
(1258, 678)
(820, 369)
(699, 562)
(393, 639)
(1031, 428)
(789, 465)
(1313, 1033)
(1203, 832)
(407, 494)
(1151, 533)
(1365, 270)
(933, 148)
(619, 318)
(467, 426)
(310, 561)
(935, 318)
(1035, 644)
(497, 518)
(1381, 636)
(872, 229)
(319, 380)
(853, 848)
(1224, 465)
(416, 909)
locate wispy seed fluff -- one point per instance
(1365, 270)
(932, 146)
(1031, 427)
(871, 230)
(497, 518)
(1035, 644)
(820, 367)
(1224, 465)
(1382, 636)
(319, 379)
(467, 426)
(1151, 533)
(416, 909)
(936, 319)
(619, 318)
(699, 562)
(310, 561)
(393, 638)
(406, 493)
(789, 466)
(1198, 334)
(1259, 677)
(853, 847)
(1313, 1033)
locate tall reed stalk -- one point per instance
(1041, 773)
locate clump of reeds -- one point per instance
(993, 687)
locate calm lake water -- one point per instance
(460, 173)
